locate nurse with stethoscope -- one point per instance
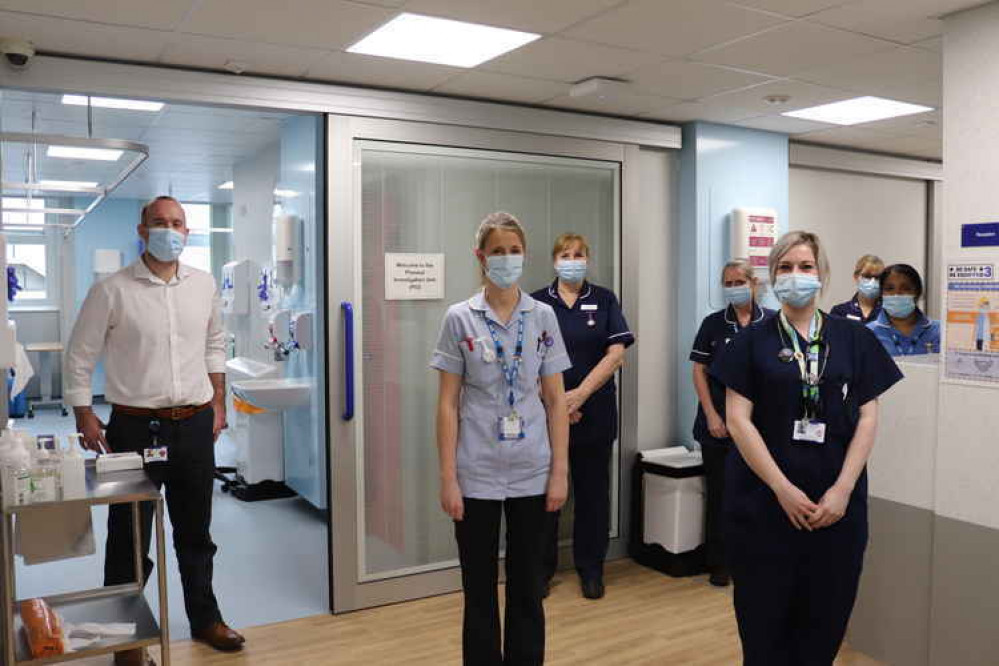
(502, 446)
(801, 400)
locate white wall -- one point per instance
(856, 214)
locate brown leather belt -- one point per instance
(164, 413)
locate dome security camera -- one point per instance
(17, 52)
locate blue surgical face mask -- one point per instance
(503, 270)
(797, 289)
(738, 295)
(572, 271)
(165, 244)
(899, 306)
(869, 287)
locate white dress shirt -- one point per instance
(160, 339)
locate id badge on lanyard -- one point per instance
(511, 426)
(810, 428)
(157, 452)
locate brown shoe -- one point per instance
(133, 658)
(220, 637)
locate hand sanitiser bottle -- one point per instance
(15, 467)
(74, 478)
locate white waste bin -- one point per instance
(672, 501)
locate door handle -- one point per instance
(348, 360)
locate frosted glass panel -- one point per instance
(430, 200)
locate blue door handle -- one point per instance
(348, 360)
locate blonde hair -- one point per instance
(498, 221)
(793, 239)
(868, 261)
(741, 265)
(567, 239)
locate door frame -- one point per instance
(343, 261)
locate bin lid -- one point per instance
(677, 457)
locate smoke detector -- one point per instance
(777, 100)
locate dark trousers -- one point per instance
(715, 452)
(188, 476)
(589, 468)
(527, 529)
(793, 609)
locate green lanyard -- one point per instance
(808, 363)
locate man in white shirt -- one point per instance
(159, 326)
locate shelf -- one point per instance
(109, 488)
(127, 608)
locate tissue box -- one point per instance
(116, 462)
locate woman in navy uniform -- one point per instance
(801, 406)
(902, 327)
(717, 330)
(596, 336)
(865, 306)
(502, 437)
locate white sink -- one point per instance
(243, 367)
(274, 393)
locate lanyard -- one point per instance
(808, 364)
(510, 371)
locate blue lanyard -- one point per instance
(510, 372)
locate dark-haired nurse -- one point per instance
(596, 336)
(902, 327)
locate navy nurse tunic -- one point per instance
(587, 345)
(795, 589)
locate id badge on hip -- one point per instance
(809, 431)
(158, 454)
(511, 427)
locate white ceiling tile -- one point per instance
(908, 74)
(491, 85)
(689, 111)
(568, 60)
(215, 52)
(782, 124)
(139, 13)
(674, 28)
(545, 16)
(330, 24)
(796, 8)
(620, 104)
(844, 136)
(689, 81)
(375, 71)
(791, 48)
(76, 37)
(888, 20)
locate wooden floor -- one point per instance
(646, 618)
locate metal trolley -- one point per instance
(119, 603)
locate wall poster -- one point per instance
(971, 351)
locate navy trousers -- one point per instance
(188, 476)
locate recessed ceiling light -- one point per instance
(227, 185)
(76, 153)
(441, 41)
(858, 110)
(287, 194)
(112, 103)
(67, 184)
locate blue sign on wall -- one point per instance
(984, 234)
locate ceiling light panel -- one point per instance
(74, 153)
(227, 185)
(440, 41)
(858, 110)
(113, 103)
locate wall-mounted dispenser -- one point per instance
(287, 248)
(106, 262)
(301, 331)
(237, 284)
